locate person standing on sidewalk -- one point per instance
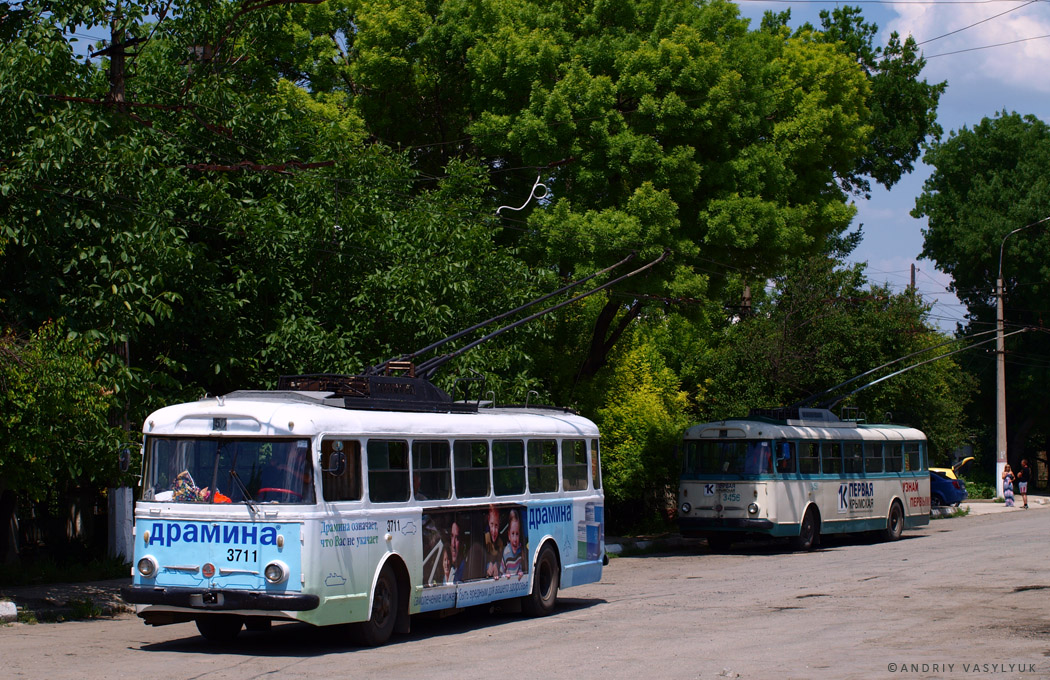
(1008, 486)
(1023, 475)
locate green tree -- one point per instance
(642, 415)
(246, 228)
(55, 402)
(988, 181)
(654, 125)
(819, 326)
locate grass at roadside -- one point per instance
(955, 512)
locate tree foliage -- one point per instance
(55, 403)
(987, 182)
(642, 416)
(655, 125)
(234, 191)
(821, 325)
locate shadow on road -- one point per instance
(302, 640)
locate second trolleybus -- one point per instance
(801, 473)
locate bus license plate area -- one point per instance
(209, 599)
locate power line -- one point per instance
(978, 23)
(987, 47)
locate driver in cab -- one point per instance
(288, 477)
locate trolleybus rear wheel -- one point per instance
(894, 523)
(545, 581)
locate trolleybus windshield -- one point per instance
(214, 470)
(725, 457)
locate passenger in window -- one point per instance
(416, 490)
(493, 546)
(758, 460)
(513, 557)
(784, 462)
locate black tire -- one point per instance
(385, 601)
(808, 534)
(219, 627)
(936, 500)
(545, 582)
(894, 523)
(257, 625)
(718, 543)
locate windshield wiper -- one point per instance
(244, 490)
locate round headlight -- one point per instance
(686, 508)
(752, 508)
(147, 566)
(276, 572)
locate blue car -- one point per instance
(944, 491)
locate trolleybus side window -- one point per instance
(854, 457)
(508, 467)
(431, 470)
(913, 456)
(387, 471)
(832, 455)
(894, 457)
(809, 458)
(596, 466)
(471, 462)
(872, 456)
(786, 457)
(574, 464)
(347, 486)
(543, 465)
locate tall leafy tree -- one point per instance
(655, 125)
(822, 324)
(989, 180)
(222, 222)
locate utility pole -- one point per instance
(1000, 383)
(116, 59)
(1000, 368)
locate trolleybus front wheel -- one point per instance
(719, 542)
(219, 627)
(380, 624)
(808, 535)
(540, 602)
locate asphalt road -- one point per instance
(964, 598)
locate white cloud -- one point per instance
(1022, 64)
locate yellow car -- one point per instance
(956, 471)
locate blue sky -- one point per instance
(956, 37)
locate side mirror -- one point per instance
(125, 458)
(336, 464)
